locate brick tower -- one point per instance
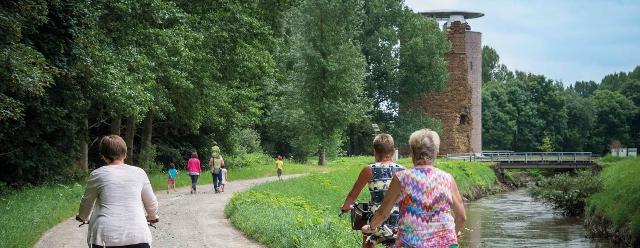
(459, 104)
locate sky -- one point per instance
(565, 40)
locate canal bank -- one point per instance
(608, 199)
(614, 212)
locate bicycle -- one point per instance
(360, 216)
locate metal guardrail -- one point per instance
(525, 157)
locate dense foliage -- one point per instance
(526, 112)
(175, 76)
(566, 192)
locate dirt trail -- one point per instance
(186, 220)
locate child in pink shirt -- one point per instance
(193, 167)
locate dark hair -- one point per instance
(112, 147)
(383, 144)
(172, 165)
(194, 155)
(279, 157)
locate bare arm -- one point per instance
(89, 198)
(458, 207)
(363, 178)
(390, 199)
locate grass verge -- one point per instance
(303, 212)
(28, 213)
(619, 201)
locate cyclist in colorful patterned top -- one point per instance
(378, 177)
(427, 198)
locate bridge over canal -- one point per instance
(530, 160)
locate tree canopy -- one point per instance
(527, 112)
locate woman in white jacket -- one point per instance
(122, 200)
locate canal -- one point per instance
(514, 219)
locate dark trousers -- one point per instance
(141, 245)
(217, 180)
(194, 181)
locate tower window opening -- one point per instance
(464, 119)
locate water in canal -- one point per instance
(514, 219)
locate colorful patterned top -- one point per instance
(425, 209)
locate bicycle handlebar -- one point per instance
(149, 222)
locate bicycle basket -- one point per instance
(360, 214)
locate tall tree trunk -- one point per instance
(322, 159)
(83, 161)
(147, 131)
(116, 125)
(131, 132)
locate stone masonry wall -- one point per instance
(453, 105)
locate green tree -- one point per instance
(409, 121)
(40, 129)
(404, 52)
(24, 72)
(584, 88)
(331, 69)
(498, 117)
(614, 113)
(490, 63)
(580, 120)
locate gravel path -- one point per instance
(186, 220)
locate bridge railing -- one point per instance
(525, 157)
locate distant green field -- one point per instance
(303, 212)
(619, 201)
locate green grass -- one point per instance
(619, 201)
(303, 212)
(28, 213)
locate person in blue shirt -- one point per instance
(171, 181)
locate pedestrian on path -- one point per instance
(224, 178)
(215, 163)
(119, 195)
(173, 175)
(193, 166)
(279, 167)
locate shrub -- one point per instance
(567, 192)
(243, 159)
(148, 157)
(245, 140)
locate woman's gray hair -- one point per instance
(425, 144)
